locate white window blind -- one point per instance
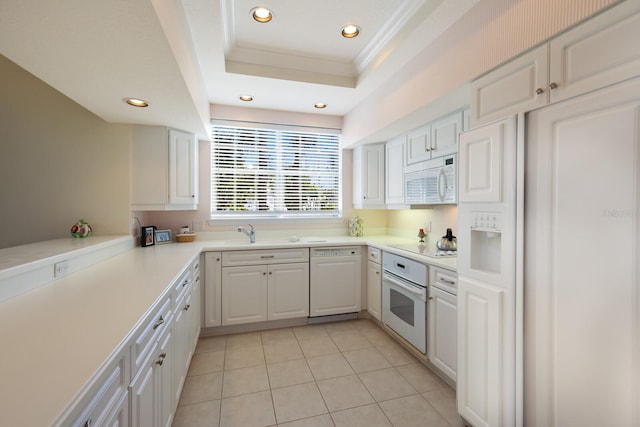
(274, 173)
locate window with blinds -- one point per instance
(274, 173)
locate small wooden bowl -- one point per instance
(185, 237)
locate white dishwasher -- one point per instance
(335, 281)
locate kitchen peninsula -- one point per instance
(62, 338)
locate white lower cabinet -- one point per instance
(212, 289)
(442, 331)
(109, 405)
(244, 294)
(374, 284)
(151, 389)
(288, 291)
(260, 285)
(443, 321)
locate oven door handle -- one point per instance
(403, 286)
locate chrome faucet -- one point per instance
(251, 234)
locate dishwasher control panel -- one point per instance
(335, 252)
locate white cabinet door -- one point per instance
(419, 145)
(374, 289)
(164, 169)
(213, 289)
(183, 168)
(481, 156)
(520, 85)
(600, 52)
(443, 333)
(444, 134)
(288, 291)
(339, 291)
(368, 176)
(152, 398)
(480, 389)
(164, 371)
(244, 294)
(181, 344)
(394, 162)
(119, 416)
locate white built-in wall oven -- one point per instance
(404, 298)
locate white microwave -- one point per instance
(434, 185)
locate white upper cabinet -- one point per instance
(419, 145)
(183, 168)
(444, 134)
(368, 176)
(598, 53)
(394, 162)
(164, 169)
(517, 86)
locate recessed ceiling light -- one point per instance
(136, 102)
(261, 14)
(350, 31)
(320, 105)
(246, 98)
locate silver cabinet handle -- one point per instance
(450, 282)
(553, 85)
(158, 323)
(185, 283)
(186, 307)
(160, 360)
(267, 256)
(539, 91)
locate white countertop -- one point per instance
(55, 338)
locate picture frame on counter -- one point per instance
(163, 236)
(147, 235)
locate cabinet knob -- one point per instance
(539, 91)
(217, 259)
(430, 298)
(193, 196)
(553, 85)
(159, 362)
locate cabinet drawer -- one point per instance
(149, 333)
(446, 280)
(374, 255)
(264, 256)
(182, 285)
(195, 267)
(108, 394)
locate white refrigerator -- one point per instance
(549, 265)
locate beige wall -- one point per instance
(58, 163)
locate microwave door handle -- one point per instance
(442, 189)
(403, 286)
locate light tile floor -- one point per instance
(337, 374)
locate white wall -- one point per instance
(58, 163)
